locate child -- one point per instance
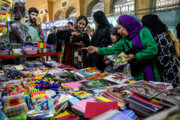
(109, 60)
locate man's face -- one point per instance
(54, 30)
(70, 26)
(33, 16)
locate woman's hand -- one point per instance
(106, 62)
(130, 57)
(91, 49)
(82, 44)
(76, 43)
(75, 33)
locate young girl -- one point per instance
(79, 38)
(110, 59)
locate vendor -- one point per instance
(34, 26)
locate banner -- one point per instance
(58, 23)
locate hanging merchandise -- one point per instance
(21, 31)
(6, 4)
(19, 9)
(2, 17)
(4, 29)
(8, 16)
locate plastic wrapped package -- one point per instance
(21, 31)
(13, 99)
(20, 109)
(30, 49)
(60, 103)
(5, 16)
(42, 115)
(19, 9)
(7, 4)
(4, 38)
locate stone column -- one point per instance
(143, 7)
(79, 7)
(50, 10)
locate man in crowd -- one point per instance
(53, 40)
(70, 25)
(34, 26)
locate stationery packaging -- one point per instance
(93, 109)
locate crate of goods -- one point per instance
(30, 50)
(17, 51)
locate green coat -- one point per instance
(149, 52)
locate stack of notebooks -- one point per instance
(145, 89)
(142, 106)
(170, 98)
(92, 107)
(142, 98)
(117, 115)
(118, 78)
(117, 94)
(163, 84)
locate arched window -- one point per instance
(60, 16)
(72, 13)
(123, 6)
(166, 4)
(99, 6)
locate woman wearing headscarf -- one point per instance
(101, 38)
(168, 49)
(140, 46)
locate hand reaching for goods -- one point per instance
(91, 49)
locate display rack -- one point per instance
(36, 55)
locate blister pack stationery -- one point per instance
(6, 4)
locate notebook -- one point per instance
(118, 78)
(81, 105)
(170, 97)
(96, 84)
(93, 109)
(145, 89)
(98, 76)
(74, 85)
(121, 59)
(88, 71)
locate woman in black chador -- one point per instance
(101, 38)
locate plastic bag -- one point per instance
(19, 9)
(127, 69)
(21, 31)
(42, 115)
